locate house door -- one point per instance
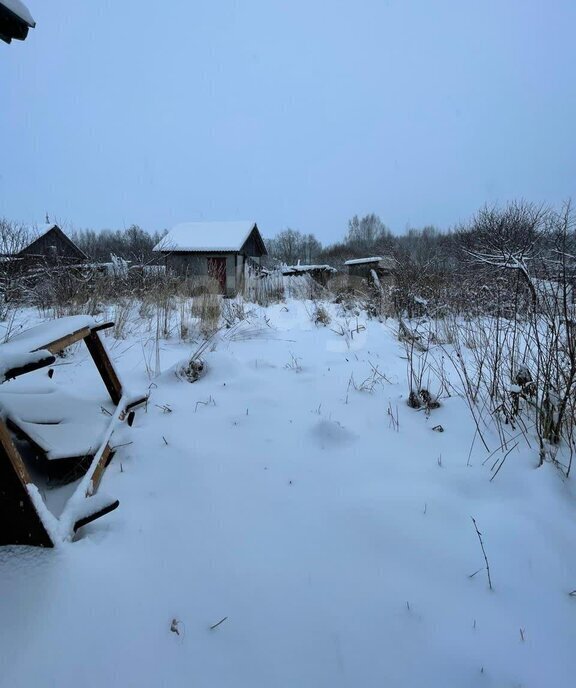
(217, 271)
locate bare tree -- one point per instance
(366, 233)
(509, 239)
(290, 246)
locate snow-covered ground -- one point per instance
(292, 492)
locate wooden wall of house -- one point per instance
(252, 247)
(195, 265)
(187, 264)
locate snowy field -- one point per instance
(292, 493)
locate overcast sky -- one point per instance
(295, 113)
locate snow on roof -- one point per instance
(20, 10)
(308, 268)
(206, 236)
(360, 261)
(385, 262)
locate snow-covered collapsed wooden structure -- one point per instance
(215, 251)
(383, 266)
(319, 273)
(15, 20)
(65, 436)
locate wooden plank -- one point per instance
(104, 365)
(62, 343)
(20, 523)
(102, 326)
(22, 370)
(98, 514)
(103, 462)
(135, 404)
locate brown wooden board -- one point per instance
(63, 342)
(98, 514)
(104, 365)
(20, 523)
(102, 326)
(22, 370)
(107, 456)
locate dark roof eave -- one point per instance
(12, 26)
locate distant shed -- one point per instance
(319, 273)
(15, 20)
(218, 250)
(385, 267)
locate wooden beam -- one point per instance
(102, 326)
(92, 517)
(64, 342)
(20, 523)
(103, 461)
(104, 365)
(22, 370)
(139, 402)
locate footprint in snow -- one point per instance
(330, 433)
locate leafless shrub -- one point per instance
(207, 308)
(320, 315)
(375, 379)
(234, 311)
(194, 367)
(122, 312)
(294, 363)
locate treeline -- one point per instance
(133, 244)
(366, 236)
(498, 259)
(517, 230)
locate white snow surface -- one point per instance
(278, 495)
(308, 268)
(19, 9)
(206, 236)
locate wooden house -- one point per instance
(218, 252)
(49, 244)
(15, 20)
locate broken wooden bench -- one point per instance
(68, 440)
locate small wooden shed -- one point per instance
(385, 268)
(216, 250)
(15, 20)
(319, 273)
